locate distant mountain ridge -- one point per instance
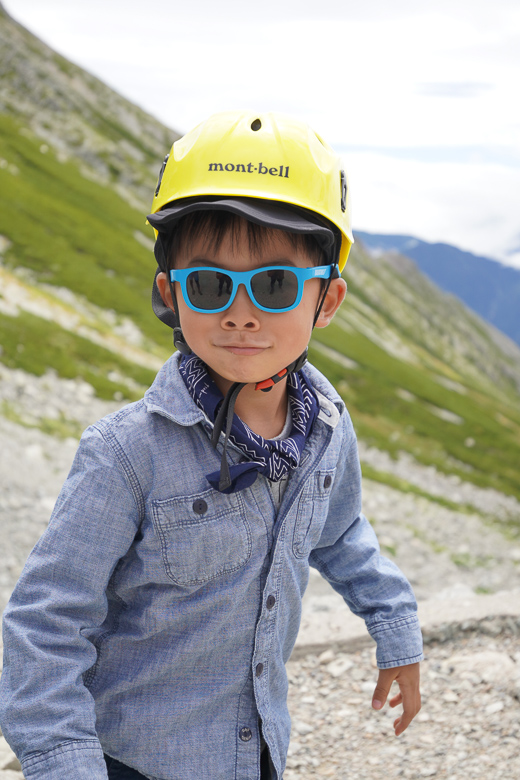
(486, 286)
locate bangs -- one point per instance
(214, 226)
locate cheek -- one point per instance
(197, 324)
(296, 326)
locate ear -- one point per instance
(333, 300)
(163, 286)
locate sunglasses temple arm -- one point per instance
(333, 275)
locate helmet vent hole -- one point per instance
(256, 125)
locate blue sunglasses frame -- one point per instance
(181, 275)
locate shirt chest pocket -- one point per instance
(311, 513)
(202, 537)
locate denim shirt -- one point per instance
(154, 617)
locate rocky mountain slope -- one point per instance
(115, 142)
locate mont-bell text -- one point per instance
(279, 170)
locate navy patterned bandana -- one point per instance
(273, 458)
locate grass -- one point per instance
(386, 478)
(471, 562)
(386, 421)
(34, 345)
(61, 428)
(70, 232)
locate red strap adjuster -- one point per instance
(267, 384)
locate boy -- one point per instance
(148, 634)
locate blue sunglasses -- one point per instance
(275, 288)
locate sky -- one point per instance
(420, 99)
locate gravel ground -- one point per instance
(469, 725)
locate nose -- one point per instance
(242, 314)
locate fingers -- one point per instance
(397, 699)
(411, 700)
(409, 694)
(409, 713)
(384, 683)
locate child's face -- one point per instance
(244, 343)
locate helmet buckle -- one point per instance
(343, 181)
(161, 174)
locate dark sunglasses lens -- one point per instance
(209, 290)
(275, 289)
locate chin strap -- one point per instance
(267, 384)
(225, 416)
(179, 342)
(227, 410)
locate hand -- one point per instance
(408, 679)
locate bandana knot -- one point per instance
(271, 457)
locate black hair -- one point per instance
(214, 226)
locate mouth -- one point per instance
(243, 349)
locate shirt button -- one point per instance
(259, 669)
(245, 734)
(271, 601)
(327, 482)
(200, 506)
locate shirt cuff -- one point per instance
(399, 642)
(78, 759)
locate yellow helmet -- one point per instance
(236, 157)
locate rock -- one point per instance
(303, 728)
(326, 657)
(339, 666)
(491, 667)
(496, 706)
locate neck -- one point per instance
(264, 413)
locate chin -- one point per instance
(223, 379)
(246, 377)
(249, 378)
(243, 369)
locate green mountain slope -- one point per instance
(63, 231)
(419, 372)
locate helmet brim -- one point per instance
(271, 214)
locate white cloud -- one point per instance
(473, 207)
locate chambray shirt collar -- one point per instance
(169, 396)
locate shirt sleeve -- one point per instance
(46, 712)
(374, 588)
